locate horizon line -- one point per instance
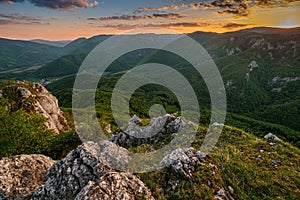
(79, 37)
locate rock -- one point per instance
(115, 185)
(68, 176)
(231, 191)
(271, 137)
(33, 97)
(184, 161)
(113, 155)
(218, 124)
(21, 175)
(175, 125)
(222, 194)
(272, 144)
(134, 120)
(276, 162)
(156, 131)
(253, 65)
(88, 162)
(155, 125)
(259, 157)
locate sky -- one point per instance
(71, 19)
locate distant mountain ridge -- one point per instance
(60, 43)
(272, 30)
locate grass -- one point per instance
(237, 167)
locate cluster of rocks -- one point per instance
(157, 131)
(33, 97)
(82, 174)
(85, 174)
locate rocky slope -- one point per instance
(239, 163)
(89, 171)
(33, 97)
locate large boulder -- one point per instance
(68, 176)
(21, 175)
(80, 168)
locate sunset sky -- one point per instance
(70, 19)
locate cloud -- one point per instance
(11, 2)
(234, 25)
(164, 8)
(164, 25)
(56, 4)
(17, 18)
(235, 7)
(139, 17)
(239, 8)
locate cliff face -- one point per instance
(33, 97)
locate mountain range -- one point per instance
(42, 156)
(260, 68)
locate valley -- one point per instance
(259, 67)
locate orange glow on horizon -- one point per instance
(32, 32)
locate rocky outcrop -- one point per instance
(87, 173)
(184, 161)
(68, 176)
(21, 175)
(157, 131)
(33, 97)
(115, 185)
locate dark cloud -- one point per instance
(16, 18)
(239, 8)
(139, 17)
(164, 25)
(56, 4)
(236, 7)
(234, 11)
(234, 25)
